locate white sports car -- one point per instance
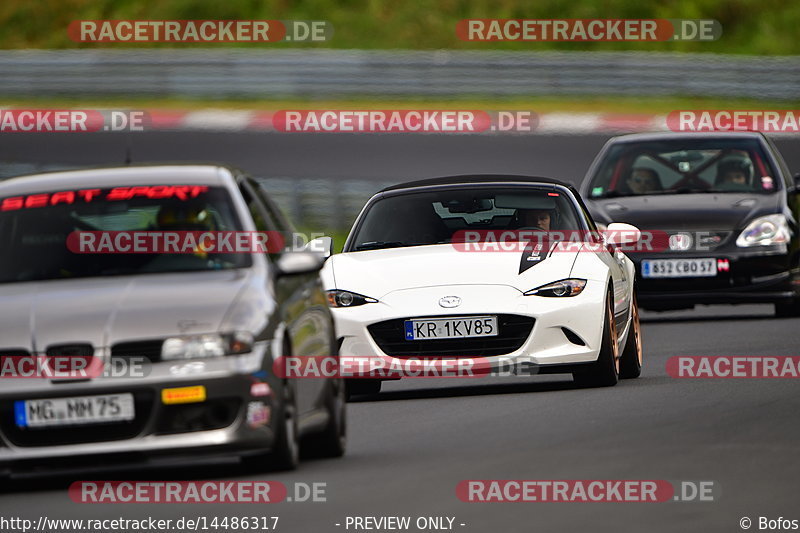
(493, 268)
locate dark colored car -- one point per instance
(721, 211)
(205, 327)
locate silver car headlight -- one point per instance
(765, 231)
(565, 287)
(206, 346)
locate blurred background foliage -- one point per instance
(759, 27)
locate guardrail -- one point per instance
(322, 203)
(251, 73)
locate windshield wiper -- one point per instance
(723, 191)
(689, 190)
(610, 194)
(376, 245)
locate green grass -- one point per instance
(765, 27)
(608, 104)
(338, 239)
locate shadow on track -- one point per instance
(705, 318)
(43, 481)
(468, 390)
(711, 313)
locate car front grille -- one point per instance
(513, 331)
(149, 349)
(711, 240)
(14, 352)
(11, 352)
(70, 350)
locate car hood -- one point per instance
(103, 311)
(377, 273)
(707, 211)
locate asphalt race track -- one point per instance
(411, 445)
(314, 155)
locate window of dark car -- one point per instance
(683, 165)
(787, 173)
(264, 219)
(274, 213)
(257, 211)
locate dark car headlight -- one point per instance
(558, 289)
(765, 231)
(206, 346)
(340, 298)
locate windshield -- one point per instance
(684, 166)
(34, 230)
(424, 218)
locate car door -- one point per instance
(300, 298)
(622, 274)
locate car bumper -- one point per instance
(747, 276)
(545, 345)
(221, 424)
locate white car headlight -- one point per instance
(205, 346)
(565, 287)
(339, 298)
(764, 231)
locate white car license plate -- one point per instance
(679, 268)
(451, 328)
(74, 411)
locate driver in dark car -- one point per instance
(644, 180)
(734, 172)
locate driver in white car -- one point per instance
(535, 218)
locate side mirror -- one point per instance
(619, 234)
(293, 263)
(321, 245)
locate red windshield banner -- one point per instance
(179, 192)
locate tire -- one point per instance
(356, 387)
(285, 452)
(605, 371)
(787, 310)
(630, 362)
(332, 441)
